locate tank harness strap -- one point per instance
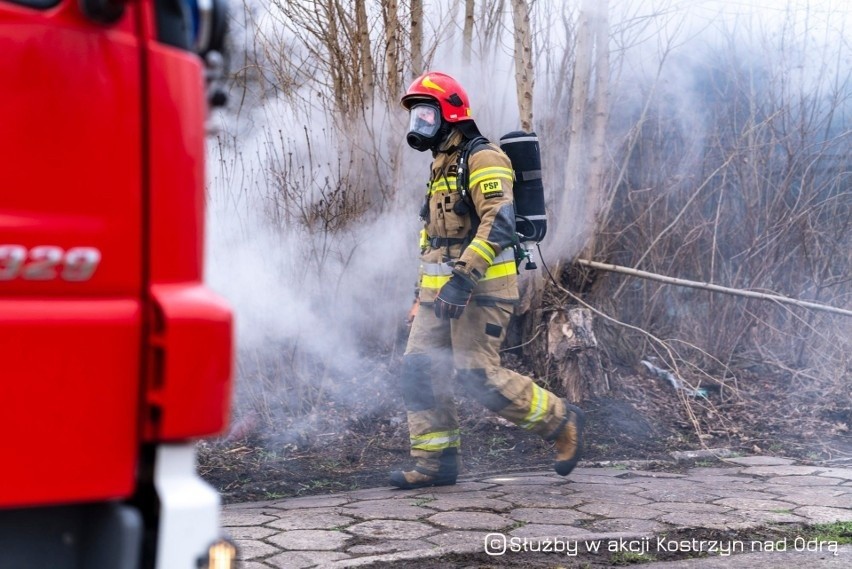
(438, 242)
(463, 176)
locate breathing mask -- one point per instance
(425, 127)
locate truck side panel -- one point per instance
(71, 258)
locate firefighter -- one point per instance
(468, 286)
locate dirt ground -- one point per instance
(346, 446)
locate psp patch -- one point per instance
(491, 188)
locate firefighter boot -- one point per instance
(422, 476)
(569, 439)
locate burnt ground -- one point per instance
(344, 446)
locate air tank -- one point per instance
(524, 152)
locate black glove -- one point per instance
(454, 296)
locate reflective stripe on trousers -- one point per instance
(437, 441)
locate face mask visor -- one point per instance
(424, 121)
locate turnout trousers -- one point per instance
(441, 353)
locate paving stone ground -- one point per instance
(593, 505)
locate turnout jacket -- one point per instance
(472, 236)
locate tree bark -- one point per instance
(467, 33)
(595, 186)
(366, 57)
(571, 353)
(390, 15)
(524, 72)
(415, 37)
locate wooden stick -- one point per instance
(714, 288)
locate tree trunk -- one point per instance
(524, 72)
(332, 42)
(467, 33)
(571, 353)
(366, 56)
(595, 187)
(416, 37)
(390, 14)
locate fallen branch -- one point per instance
(712, 287)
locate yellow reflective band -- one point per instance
(482, 174)
(437, 441)
(433, 281)
(424, 239)
(480, 253)
(504, 269)
(435, 275)
(483, 249)
(538, 408)
(443, 184)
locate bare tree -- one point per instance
(595, 190)
(366, 67)
(467, 34)
(334, 50)
(524, 70)
(490, 25)
(393, 47)
(415, 38)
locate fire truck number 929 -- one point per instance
(48, 262)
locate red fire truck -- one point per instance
(114, 357)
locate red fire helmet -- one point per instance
(436, 86)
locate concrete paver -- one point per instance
(629, 525)
(314, 518)
(388, 510)
(311, 502)
(310, 540)
(450, 502)
(548, 516)
(694, 520)
(824, 515)
(252, 548)
(392, 529)
(357, 528)
(471, 520)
